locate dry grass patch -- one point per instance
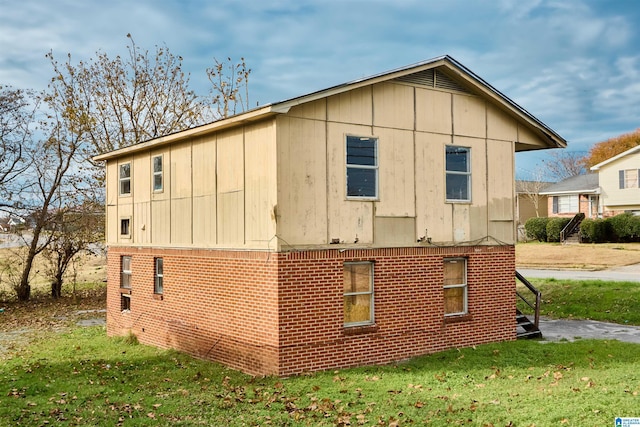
(583, 256)
(88, 270)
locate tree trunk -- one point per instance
(24, 288)
(23, 291)
(56, 287)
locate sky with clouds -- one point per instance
(574, 64)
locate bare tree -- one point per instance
(99, 106)
(531, 188)
(53, 176)
(16, 116)
(73, 230)
(564, 164)
(229, 86)
(132, 99)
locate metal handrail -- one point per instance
(571, 226)
(538, 297)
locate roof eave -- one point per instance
(616, 157)
(247, 117)
(552, 139)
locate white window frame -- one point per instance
(157, 174)
(124, 179)
(370, 292)
(631, 178)
(158, 282)
(463, 285)
(362, 167)
(568, 203)
(455, 173)
(125, 271)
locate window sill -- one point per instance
(362, 199)
(158, 297)
(125, 291)
(458, 318)
(460, 202)
(359, 330)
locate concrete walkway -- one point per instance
(570, 330)
(556, 330)
(629, 273)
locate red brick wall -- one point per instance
(282, 313)
(408, 297)
(217, 305)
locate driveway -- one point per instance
(561, 329)
(570, 330)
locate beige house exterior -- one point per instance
(326, 230)
(619, 179)
(274, 177)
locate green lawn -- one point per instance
(84, 378)
(617, 302)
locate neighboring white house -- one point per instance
(619, 179)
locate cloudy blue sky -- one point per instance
(574, 64)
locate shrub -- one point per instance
(625, 227)
(554, 227)
(595, 230)
(536, 228)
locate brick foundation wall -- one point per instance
(217, 305)
(282, 313)
(408, 300)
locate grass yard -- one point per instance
(57, 373)
(584, 256)
(616, 302)
(89, 269)
(83, 378)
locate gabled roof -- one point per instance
(614, 158)
(524, 186)
(578, 184)
(458, 76)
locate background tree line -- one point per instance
(48, 139)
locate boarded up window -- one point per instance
(455, 286)
(358, 293)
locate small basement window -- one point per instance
(159, 276)
(125, 273)
(125, 302)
